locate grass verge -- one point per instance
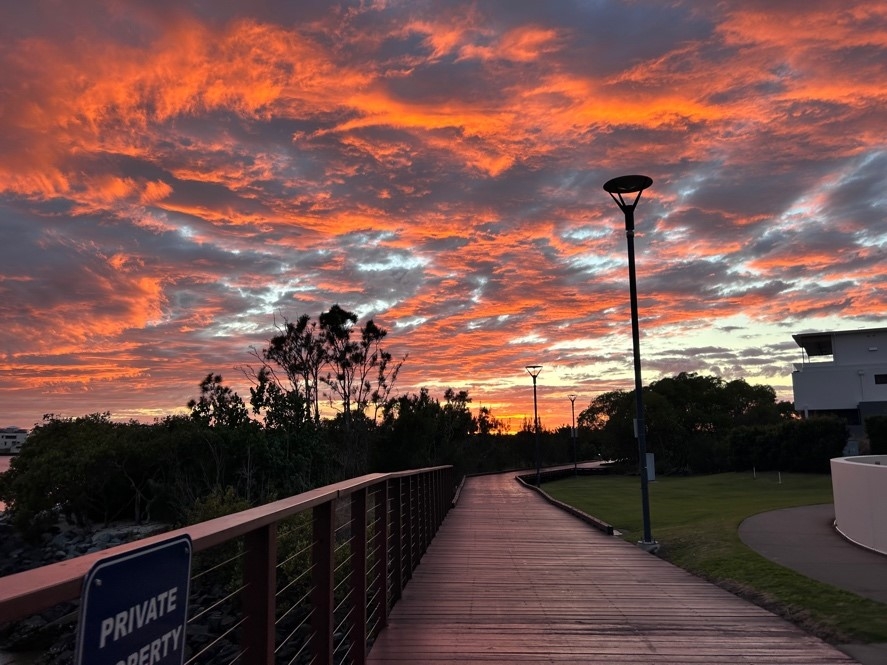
(696, 519)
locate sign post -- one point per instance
(134, 607)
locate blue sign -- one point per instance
(134, 607)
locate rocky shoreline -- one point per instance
(52, 632)
(63, 541)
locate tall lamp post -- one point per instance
(616, 188)
(573, 433)
(534, 372)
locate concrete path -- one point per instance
(804, 539)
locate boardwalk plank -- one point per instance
(511, 579)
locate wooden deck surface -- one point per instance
(512, 579)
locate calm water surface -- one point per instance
(4, 466)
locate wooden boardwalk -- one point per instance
(512, 579)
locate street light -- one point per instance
(635, 184)
(573, 433)
(534, 372)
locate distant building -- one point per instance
(842, 373)
(11, 440)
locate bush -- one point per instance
(876, 429)
(753, 448)
(87, 469)
(794, 445)
(91, 470)
(808, 445)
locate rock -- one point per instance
(33, 623)
(101, 537)
(53, 632)
(59, 540)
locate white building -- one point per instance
(842, 373)
(11, 440)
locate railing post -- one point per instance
(406, 495)
(420, 519)
(446, 494)
(417, 523)
(259, 595)
(396, 538)
(380, 545)
(441, 491)
(322, 566)
(438, 504)
(435, 501)
(426, 511)
(430, 508)
(359, 576)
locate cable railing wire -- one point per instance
(216, 641)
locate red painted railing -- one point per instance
(307, 579)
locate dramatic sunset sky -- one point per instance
(174, 174)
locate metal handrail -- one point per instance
(399, 522)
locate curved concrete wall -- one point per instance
(859, 486)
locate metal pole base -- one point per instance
(651, 546)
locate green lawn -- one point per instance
(696, 520)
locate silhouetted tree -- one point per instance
(218, 405)
(409, 432)
(688, 418)
(299, 352)
(488, 424)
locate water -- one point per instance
(4, 466)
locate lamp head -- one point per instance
(627, 184)
(534, 370)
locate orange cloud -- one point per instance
(172, 179)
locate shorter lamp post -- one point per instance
(573, 433)
(534, 370)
